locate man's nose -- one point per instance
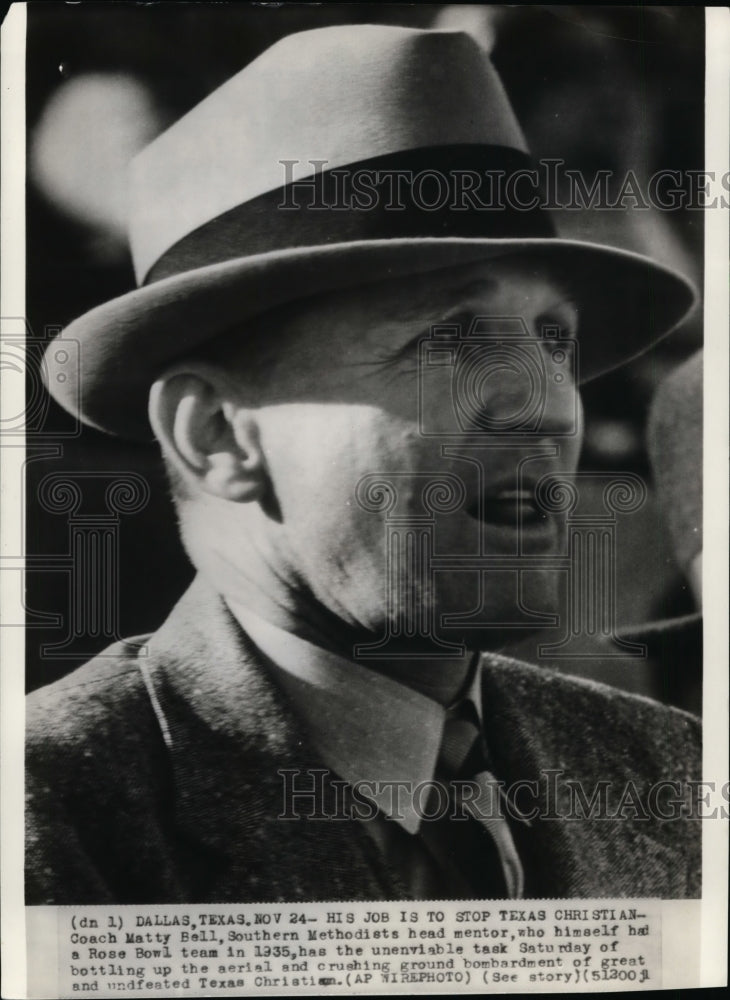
(524, 386)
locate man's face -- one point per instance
(403, 464)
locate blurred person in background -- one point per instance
(674, 437)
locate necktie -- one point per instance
(475, 840)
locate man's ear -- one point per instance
(207, 434)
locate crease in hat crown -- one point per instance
(340, 94)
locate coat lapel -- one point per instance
(230, 734)
(548, 730)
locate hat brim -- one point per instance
(626, 303)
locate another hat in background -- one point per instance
(674, 437)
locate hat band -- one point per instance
(470, 191)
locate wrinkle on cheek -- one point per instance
(318, 454)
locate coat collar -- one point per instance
(231, 731)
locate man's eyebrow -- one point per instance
(463, 307)
(461, 316)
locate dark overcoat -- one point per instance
(152, 776)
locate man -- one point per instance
(354, 371)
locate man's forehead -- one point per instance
(363, 320)
(507, 285)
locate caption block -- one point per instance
(498, 946)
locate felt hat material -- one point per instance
(238, 208)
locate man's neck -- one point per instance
(280, 600)
(443, 680)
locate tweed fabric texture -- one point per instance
(171, 792)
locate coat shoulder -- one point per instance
(595, 719)
(87, 732)
(89, 703)
(95, 776)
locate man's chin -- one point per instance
(465, 612)
(508, 610)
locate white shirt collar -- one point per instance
(369, 729)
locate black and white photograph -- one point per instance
(359, 567)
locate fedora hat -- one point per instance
(338, 157)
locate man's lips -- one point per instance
(509, 507)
